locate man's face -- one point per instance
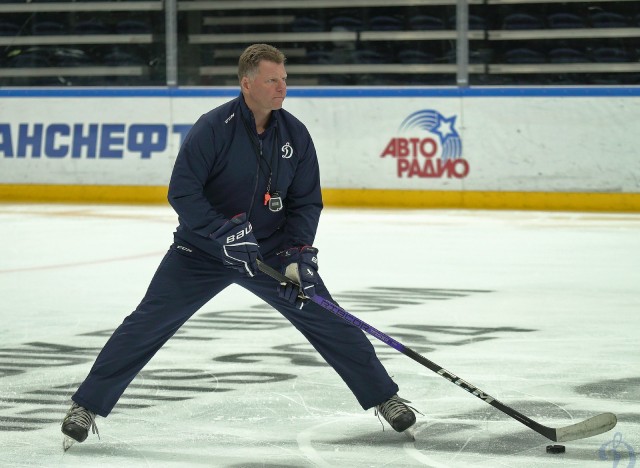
(267, 89)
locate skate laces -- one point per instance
(392, 408)
(82, 417)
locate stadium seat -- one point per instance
(426, 22)
(132, 27)
(476, 56)
(416, 56)
(346, 23)
(566, 55)
(523, 55)
(319, 57)
(522, 21)
(306, 24)
(48, 28)
(32, 57)
(368, 56)
(606, 19)
(91, 26)
(119, 57)
(8, 29)
(611, 55)
(67, 57)
(386, 23)
(565, 21)
(481, 55)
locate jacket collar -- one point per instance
(248, 115)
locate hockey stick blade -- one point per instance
(587, 428)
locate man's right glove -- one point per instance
(239, 247)
(301, 265)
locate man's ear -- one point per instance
(244, 83)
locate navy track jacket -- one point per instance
(223, 168)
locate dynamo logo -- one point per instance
(435, 155)
(287, 150)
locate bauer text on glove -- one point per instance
(239, 247)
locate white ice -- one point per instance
(538, 309)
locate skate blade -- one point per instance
(67, 442)
(410, 433)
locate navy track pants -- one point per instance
(184, 282)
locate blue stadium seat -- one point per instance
(62, 57)
(606, 19)
(32, 57)
(132, 27)
(48, 28)
(523, 55)
(119, 57)
(567, 55)
(565, 21)
(319, 57)
(481, 55)
(307, 24)
(91, 26)
(522, 21)
(346, 23)
(426, 22)
(476, 56)
(368, 56)
(386, 23)
(416, 56)
(611, 55)
(8, 29)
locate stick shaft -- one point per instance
(590, 427)
(450, 376)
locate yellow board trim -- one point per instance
(551, 201)
(560, 201)
(36, 193)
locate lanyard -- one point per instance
(272, 199)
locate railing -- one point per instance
(175, 51)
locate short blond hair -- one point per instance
(252, 55)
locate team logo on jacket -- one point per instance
(429, 148)
(287, 150)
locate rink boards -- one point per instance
(519, 148)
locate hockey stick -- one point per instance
(587, 428)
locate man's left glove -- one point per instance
(239, 247)
(301, 265)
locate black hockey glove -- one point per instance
(239, 247)
(300, 265)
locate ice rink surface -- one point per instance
(540, 310)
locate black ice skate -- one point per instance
(398, 415)
(76, 424)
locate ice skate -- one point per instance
(76, 424)
(410, 433)
(398, 415)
